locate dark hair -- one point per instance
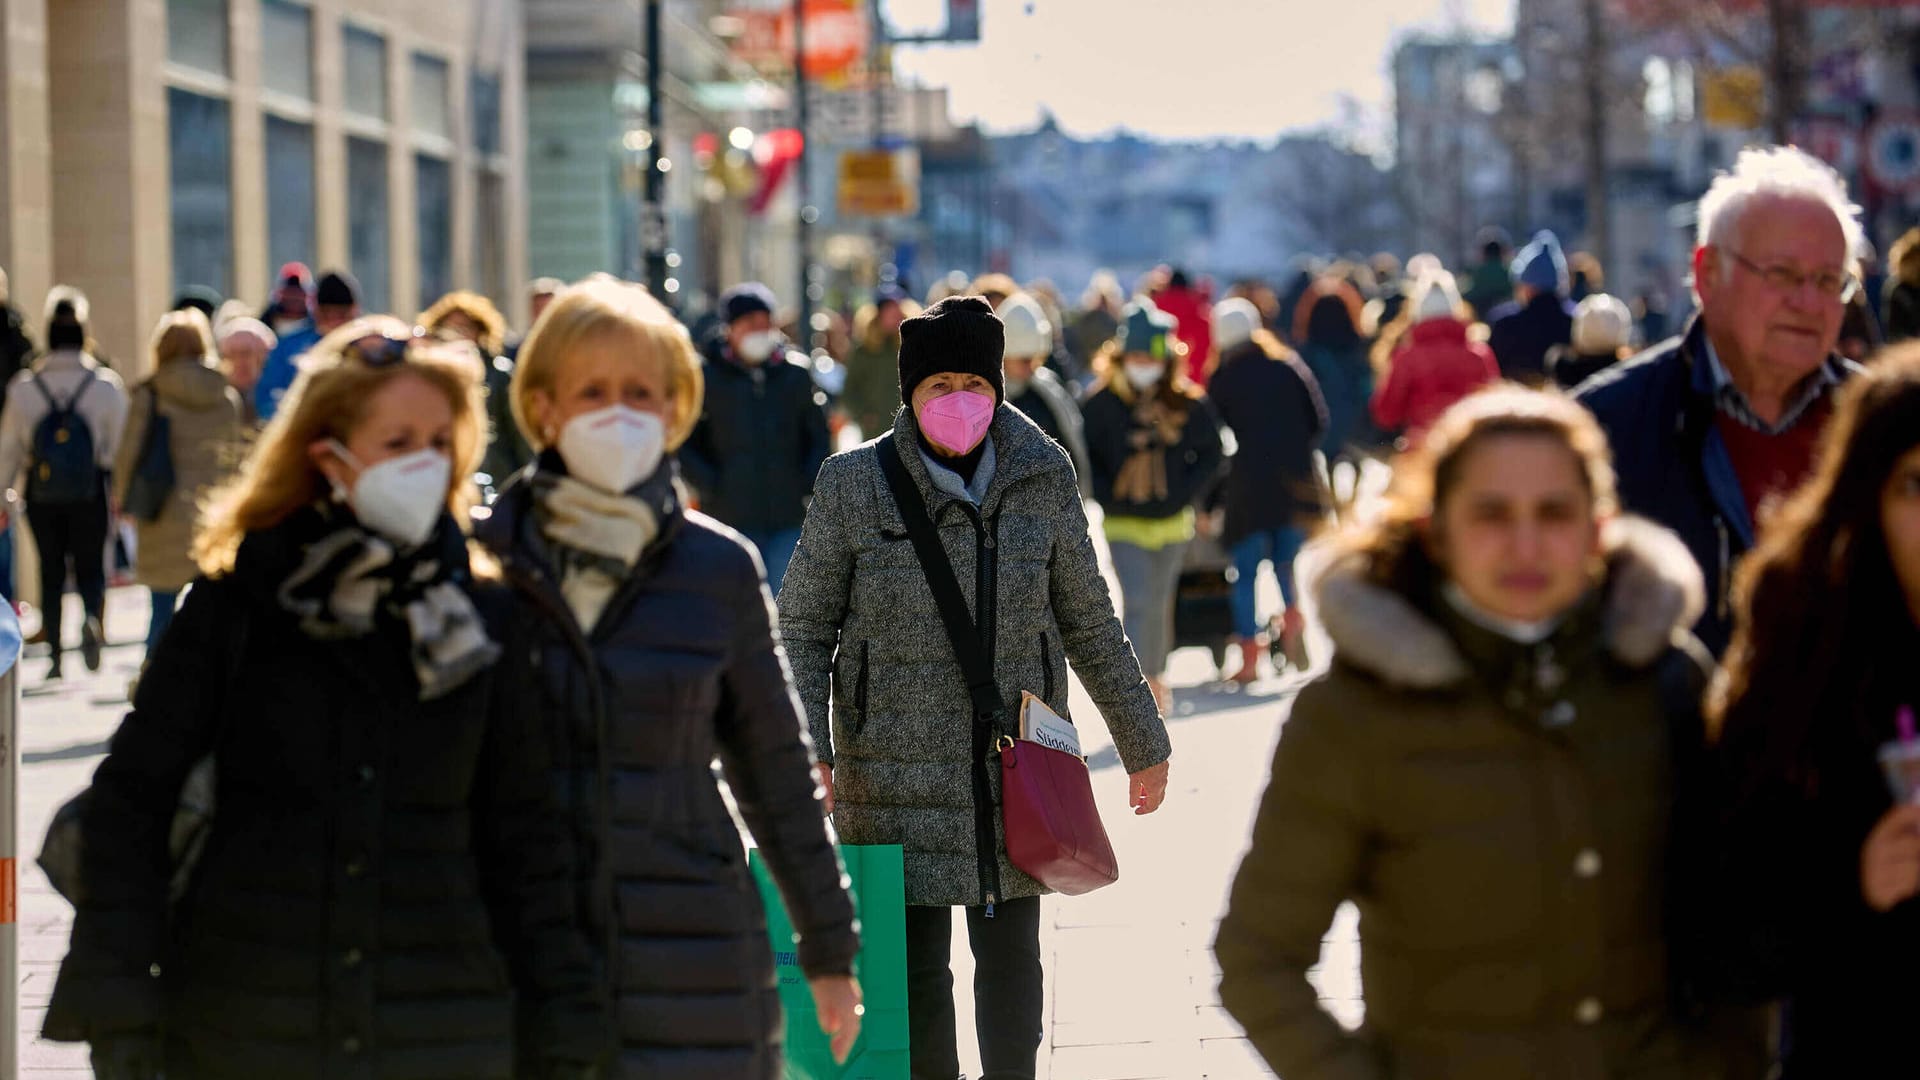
(1329, 314)
(1813, 604)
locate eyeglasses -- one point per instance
(1832, 284)
(384, 350)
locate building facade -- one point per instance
(149, 145)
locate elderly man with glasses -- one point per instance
(1710, 428)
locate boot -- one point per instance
(1293, 639)
(91, 636)
(1249, 662)
(53, 670)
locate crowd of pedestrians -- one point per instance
(462, 622)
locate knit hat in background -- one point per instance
(960, 333)
(1029, 333)
(1234, 321)
(337, 288)
(1602, 324)
(1424, 264)
(1437, 296)
(743, 300)
(1146, 329)
(1541, 266)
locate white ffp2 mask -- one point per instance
(400, 498)
(613, 448)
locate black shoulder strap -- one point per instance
(86, 380)
(946, 588)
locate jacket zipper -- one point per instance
(985, 558)
(860, 691)
(1046, 670)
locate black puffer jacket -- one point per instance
(382, 877)
(1277, 415)
(760, 442)
(1114, 432)
(682, 666)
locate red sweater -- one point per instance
(1773, 465)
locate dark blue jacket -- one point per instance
(759, 443)
(1659, 415)
(1521, 335)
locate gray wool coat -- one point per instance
(884, 696)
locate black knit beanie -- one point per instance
(960, 333)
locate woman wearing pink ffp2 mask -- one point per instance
(904, 758)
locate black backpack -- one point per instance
(63, 470)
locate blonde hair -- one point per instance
(492, 324)
(181, 335)
(597, 310)
(330, 399)
(1423, 479)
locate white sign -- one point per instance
(846, 116)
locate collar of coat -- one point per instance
(1652, 592)
(1020, 448)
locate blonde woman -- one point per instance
(187, 411)
(651, 652)
(468, 316)
(384, 878)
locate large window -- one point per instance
(433, 196)
(197, 34)
(286, 48)
(197, 139)
(489, 232)
(367, 219)
(366, 73)
(431, 107)
(483, 106)
(290, 233)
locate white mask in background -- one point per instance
(402, 497)
(1016, 387)
(756, 347)
(613, 448)
(1143, 376)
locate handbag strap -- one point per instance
(961, 631)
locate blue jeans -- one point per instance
(776, 550)
(1281, 546)
(163, 603)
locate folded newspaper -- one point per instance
(1046, 727)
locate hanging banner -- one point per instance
(836, 42)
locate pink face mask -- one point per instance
(957, 421)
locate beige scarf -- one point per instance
(1143, 477)
(600, 537)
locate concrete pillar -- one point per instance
(513, 144)
(331, 246)
(26, 155)
(248, 162)
(403, 218)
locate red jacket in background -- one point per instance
(1195, 329)
(1437, 367)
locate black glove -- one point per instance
(129, 1055)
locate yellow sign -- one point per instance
(879, 183)
(1733, 98)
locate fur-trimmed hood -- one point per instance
(1653, 591)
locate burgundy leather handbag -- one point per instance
(1053, 828)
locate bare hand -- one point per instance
(836, 1000)
(1890, 860)
(823, 775)
(1147, 789)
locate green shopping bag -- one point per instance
(880, 899)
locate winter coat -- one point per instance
(1437, 367)
(1902, 302)
(1194, 327)
(206, 436)
(1192, 463)
(1277, 417)
(1490, 286)
(1048, 403)
(760, 441)
(1520, 335)
(103, 407)
(383, 877)
(681, 667)
(1569, 369)
(1501, 814)
(507, 449)
(1659, 414)
(1345, 378)
(885, 699)
(282, 367)
(1782, 912)
(16, 348)
(872, 393)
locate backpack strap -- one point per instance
(87, 379)
(961, 631)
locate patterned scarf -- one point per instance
(1143, 476)
(597, 537)
(347, 577)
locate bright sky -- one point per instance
(1176, 69)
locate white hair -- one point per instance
(249, 326)
(67, 294)
(1780, 171)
